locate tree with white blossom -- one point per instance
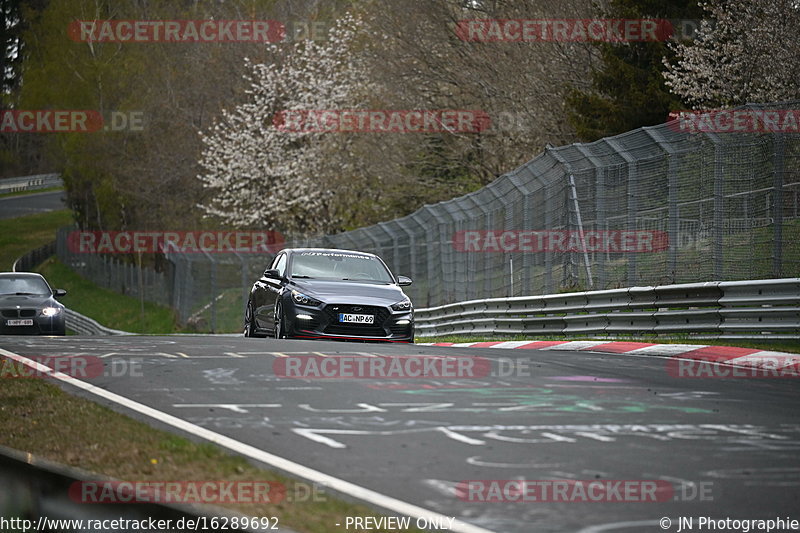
(747, 51)
(258, 174)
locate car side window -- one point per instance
(280, 264)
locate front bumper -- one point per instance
(323, 323)
(41, 326)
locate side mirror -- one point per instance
(403, 281)
(272, 274)
(58, 293)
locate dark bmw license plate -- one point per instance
(20, 322)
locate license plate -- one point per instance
(20, 322)
(356, 319)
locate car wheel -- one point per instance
(249, 326)
(280, 323)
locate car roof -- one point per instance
(20, 275)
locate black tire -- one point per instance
(249, 325)
(280, 321)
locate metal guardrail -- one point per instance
(732, 309)
(32, 488)
(30, 183)
(34, 258)
(83, 325)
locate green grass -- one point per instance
(20, 235)
(780, 345)
(42, 419)
(228, 310)
(109, 308)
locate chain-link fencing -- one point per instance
(653, 206)
(115, 273)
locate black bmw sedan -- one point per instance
(28, 305)
(316, 293)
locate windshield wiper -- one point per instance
(26, 294)
(302, 277)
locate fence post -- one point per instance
(777, 215)
(599, 206)
(213, 292)
(719, 206)
(548, 225)
(633, 201)
(673, 209)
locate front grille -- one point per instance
(358, 330)
(17, 313)
(376, 329)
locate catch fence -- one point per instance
(653, 206)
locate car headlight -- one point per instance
(405, 305)
(304, 299)
(51, 311)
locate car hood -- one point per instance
(13, 300)
(351, 292)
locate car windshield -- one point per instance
(339, 265)
(23, 285)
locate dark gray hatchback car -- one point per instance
(320, 293)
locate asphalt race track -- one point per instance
(31, 204)
(717, 448)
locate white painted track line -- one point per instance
(290, 467)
